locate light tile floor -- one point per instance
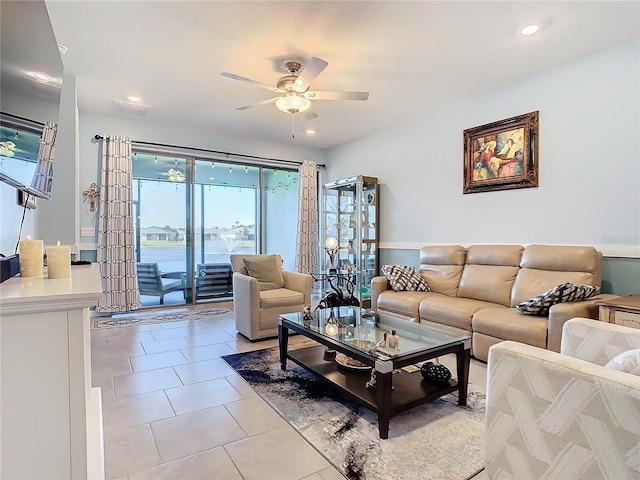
(173, 409)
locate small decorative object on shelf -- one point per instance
(435, 373)
(331, 328)
(307, 316)
(331, 245)
(389, 344)
(393, 340)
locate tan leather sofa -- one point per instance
(476, 290)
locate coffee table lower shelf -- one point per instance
(409, 391)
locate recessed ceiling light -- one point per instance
(310, 131)
(530, 29)
(134, 98)
(62, 49)
(41, 76)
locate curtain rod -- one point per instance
(241, 155)
(17, 117)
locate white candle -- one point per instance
(59, 261)
(31, 258)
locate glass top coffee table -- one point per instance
(354, 333)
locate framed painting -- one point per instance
(502, 155)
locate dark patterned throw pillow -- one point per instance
(565, 292)
(405, 279)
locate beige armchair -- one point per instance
(564, 415)
(264, 293)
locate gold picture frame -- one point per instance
(502, 155)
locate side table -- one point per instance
(622, 311)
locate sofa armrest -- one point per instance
(597, 342)
(378, 285)
(552, 416)
(299, 282)
(561, 312)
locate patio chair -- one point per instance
(214, 280)
(152, 282)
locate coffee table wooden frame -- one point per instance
(409, 390)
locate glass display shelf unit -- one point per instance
(350, 215)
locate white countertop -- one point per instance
(35, 294)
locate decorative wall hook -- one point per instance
(92, 193)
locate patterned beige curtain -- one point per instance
(43, 178)
(116, 253)
(307, 238)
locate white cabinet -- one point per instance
(51, 418)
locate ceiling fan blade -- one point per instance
(264, 102)
(309, 73)
(233, 76)
(336, 95)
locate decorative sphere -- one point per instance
(434, 373)
(331, 243)
(331, 329)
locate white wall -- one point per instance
(146, 131)
(589, 170)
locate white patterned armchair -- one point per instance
(564, 416)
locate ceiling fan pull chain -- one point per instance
(293, 125)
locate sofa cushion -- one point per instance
(560, 258)
(266, 269)
(530, 282)
(565, 292)
(506, 255)
(456, 312)
(489, 283)
(545, 266)
(403, 303)
(510, 324)
(441, 267)
(280, 297)
(403, 278)
(628, 362)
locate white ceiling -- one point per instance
(410, 56)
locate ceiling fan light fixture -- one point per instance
(293, 103)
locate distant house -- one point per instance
(160, 234)
(240, 233)
(209, 233)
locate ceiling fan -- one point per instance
(295, 96)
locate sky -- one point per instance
(163, 204)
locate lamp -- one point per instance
(331, 329)
(331, 245)
(292, 103)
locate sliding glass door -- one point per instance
(193, 213)
(280, 214)
(161, 200)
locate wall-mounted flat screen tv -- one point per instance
(20, 164)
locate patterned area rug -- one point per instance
(437, 440)
(172, 315)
